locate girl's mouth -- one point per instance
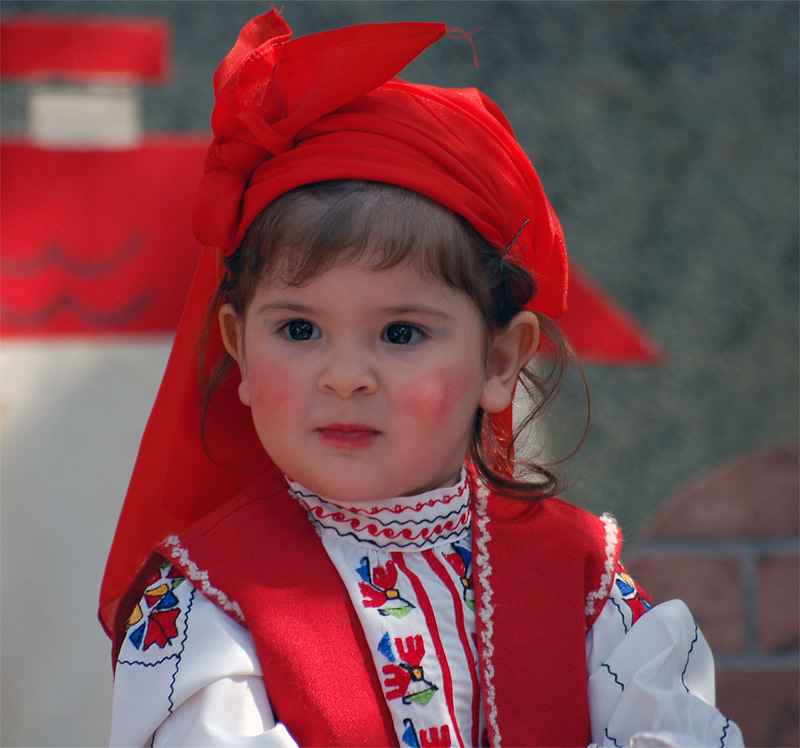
(348, 435)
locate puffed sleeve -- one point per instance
(188, 674)
(651, 676)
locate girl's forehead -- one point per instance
(402, 284)
(288, 272)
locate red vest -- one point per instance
(534, 567)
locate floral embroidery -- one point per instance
(405, 676)
(379, 590)
(153, 621)
(435, 737)
(393, 559)
(637, 601)
(438, 517)
(410, 734)
(461, 561)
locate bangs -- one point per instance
(314, 228)
(345, 222)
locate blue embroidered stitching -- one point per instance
(148, 664)
(724, 733)
(621, 614)
(688, 655)
(410, 734)
(180, 652)
(616, 679)
(613, 740)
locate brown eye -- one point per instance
(300, 329)
(401, 333)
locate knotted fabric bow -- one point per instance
(288, 113)
(327, 106)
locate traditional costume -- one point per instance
(364, 626)
(245, 610)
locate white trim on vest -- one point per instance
(200, 578)
(612, 541)
(486, 610)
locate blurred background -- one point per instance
(666, 136)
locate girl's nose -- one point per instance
(346, 374)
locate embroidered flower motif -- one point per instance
(378, 590)
(410, 734)
(637, 601)
(154, 620)
(435, 737)
(461, 561)
(405, 676)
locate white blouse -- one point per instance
(189, 675)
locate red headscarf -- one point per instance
(289, 113)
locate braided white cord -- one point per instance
(200, 578)
(612, 540)
(482, 538)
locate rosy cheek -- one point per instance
(272, 386)
(440, 394)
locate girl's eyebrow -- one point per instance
(397, 310)
(402, 309)
(285, 306)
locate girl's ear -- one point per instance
(230, 328)
(511, 349)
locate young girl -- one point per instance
(327, 539)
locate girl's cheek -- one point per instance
(441, 394)
(272, 385)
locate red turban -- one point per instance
(289, 113)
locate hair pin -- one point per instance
(513, 241)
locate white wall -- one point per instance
(71, 413)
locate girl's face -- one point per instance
(364, 384)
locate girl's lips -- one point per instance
(347, 436)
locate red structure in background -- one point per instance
(94, 240)
(99, 241)
(85, 49)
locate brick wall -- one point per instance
(728, 545)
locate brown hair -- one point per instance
(313, 228)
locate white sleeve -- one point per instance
(187, 674)
(651, 685)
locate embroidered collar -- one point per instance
(407, 523)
